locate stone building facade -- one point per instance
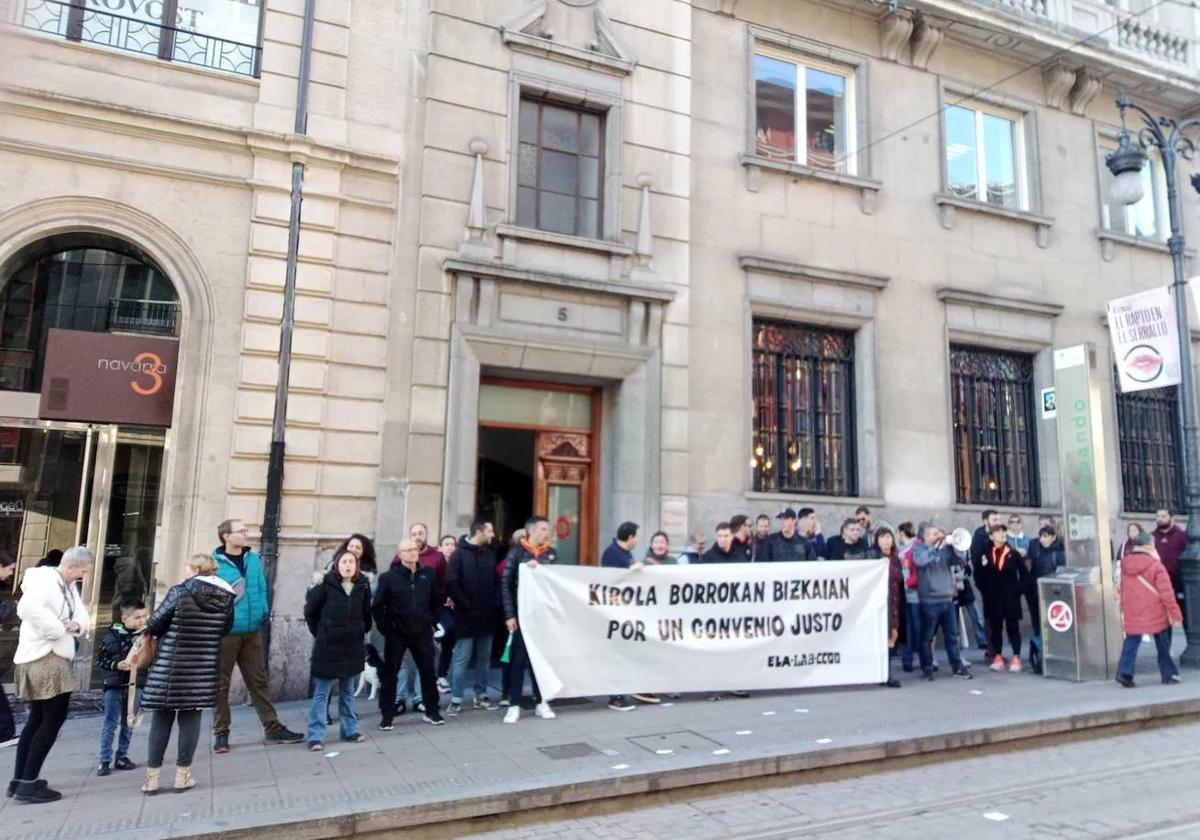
(601, 259)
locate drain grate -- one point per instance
(577, 749)
(677, 742)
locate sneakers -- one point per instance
(103, 769)
(620, 704)
(386, 725)
(419, 707)
(646, 698)
(892, 682)
(504, 702)
(543, 711)
(1014, 665)
(997, 664)
(513, 714)
(1172, 680)
(123, 763)
(316, 746)
(1125, 681)
(485, 704)
(401, 707)
(356, 738)
(454, 708)
(434, 719)
(963, 673)
(443, 685)
(221, 743)
(927, 676)
(742, 694)
(280, 734)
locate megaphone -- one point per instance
(960, 539)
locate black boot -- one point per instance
(36, 793)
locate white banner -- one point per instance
(595, 631)
(1145, 342)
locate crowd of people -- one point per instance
(443, 614)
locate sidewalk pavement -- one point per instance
(475, 766)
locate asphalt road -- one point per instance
(1140, 785)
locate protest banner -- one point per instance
(597, 631)
(1145, 342)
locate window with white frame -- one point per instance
(804, 112)
(1147, 218)
(985, 156)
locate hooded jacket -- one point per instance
(472, 584)
(251, 604)
(47, 601)
(935, 580)
(519, 554)
(338, 621)
(781, 549)
(1170, 544)
(189, 624)
(1148, 607)
(1045, 561)
(407, 603)
(117, 643)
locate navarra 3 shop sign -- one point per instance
(104, 378)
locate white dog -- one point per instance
(370, 674)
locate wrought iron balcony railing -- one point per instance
(152, 317)
(75, 21)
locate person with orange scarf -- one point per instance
(1000, 574)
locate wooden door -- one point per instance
(563, 487)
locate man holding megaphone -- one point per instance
(934, 558)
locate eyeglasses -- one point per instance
(241, 531)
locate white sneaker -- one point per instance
(443, 685)
(513, 714)
(544, 711)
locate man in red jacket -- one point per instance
(1170, 541)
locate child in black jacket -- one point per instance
(110, 656)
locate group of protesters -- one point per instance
(443, 614)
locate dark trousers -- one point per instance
(518, 663)
(46, 717)
(447, 653)
(161, 722)
(8, 727)
(1180, 597)
(394, 647)
(1129, 651)
(245, 650)
(1003, 615)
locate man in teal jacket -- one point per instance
(240, 566)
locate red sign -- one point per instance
(562, 527)
(1059, 617)
(104, 378)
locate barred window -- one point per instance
(1148, 432)
(803, 410)
(995, 440)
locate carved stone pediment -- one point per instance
(575, 31)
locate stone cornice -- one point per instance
(964, 297)
(802, 271)
(486, 268)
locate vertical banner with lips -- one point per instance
(1145, 341)
(106, 378)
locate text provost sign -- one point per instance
(103, 378)
(665, 629)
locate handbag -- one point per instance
(142, 654)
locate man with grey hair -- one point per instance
(936, 589)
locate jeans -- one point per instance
(161, 721)
(1129, 651)
(46, 717)
(319, 707)
(394, 648)
(978, 632)
(115, 702)
(244, 650)
(408, 685)
(473, 657)
(518, 662)
(933, 616)
(912, 635)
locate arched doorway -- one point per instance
(88, 334)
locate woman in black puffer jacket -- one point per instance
(183, 679)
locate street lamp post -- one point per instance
(1167, 135)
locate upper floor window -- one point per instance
(985, 156)
(995, 441)
(217, 34)
(1148, 433)
(1147, 218)
(560, 171)
(94, 285)
(804, 113)
(804, 431)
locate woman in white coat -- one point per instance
(53, 617)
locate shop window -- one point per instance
(219, 35)
(995, 440)
(803, 387)
(95, 286)
(1148, 433)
